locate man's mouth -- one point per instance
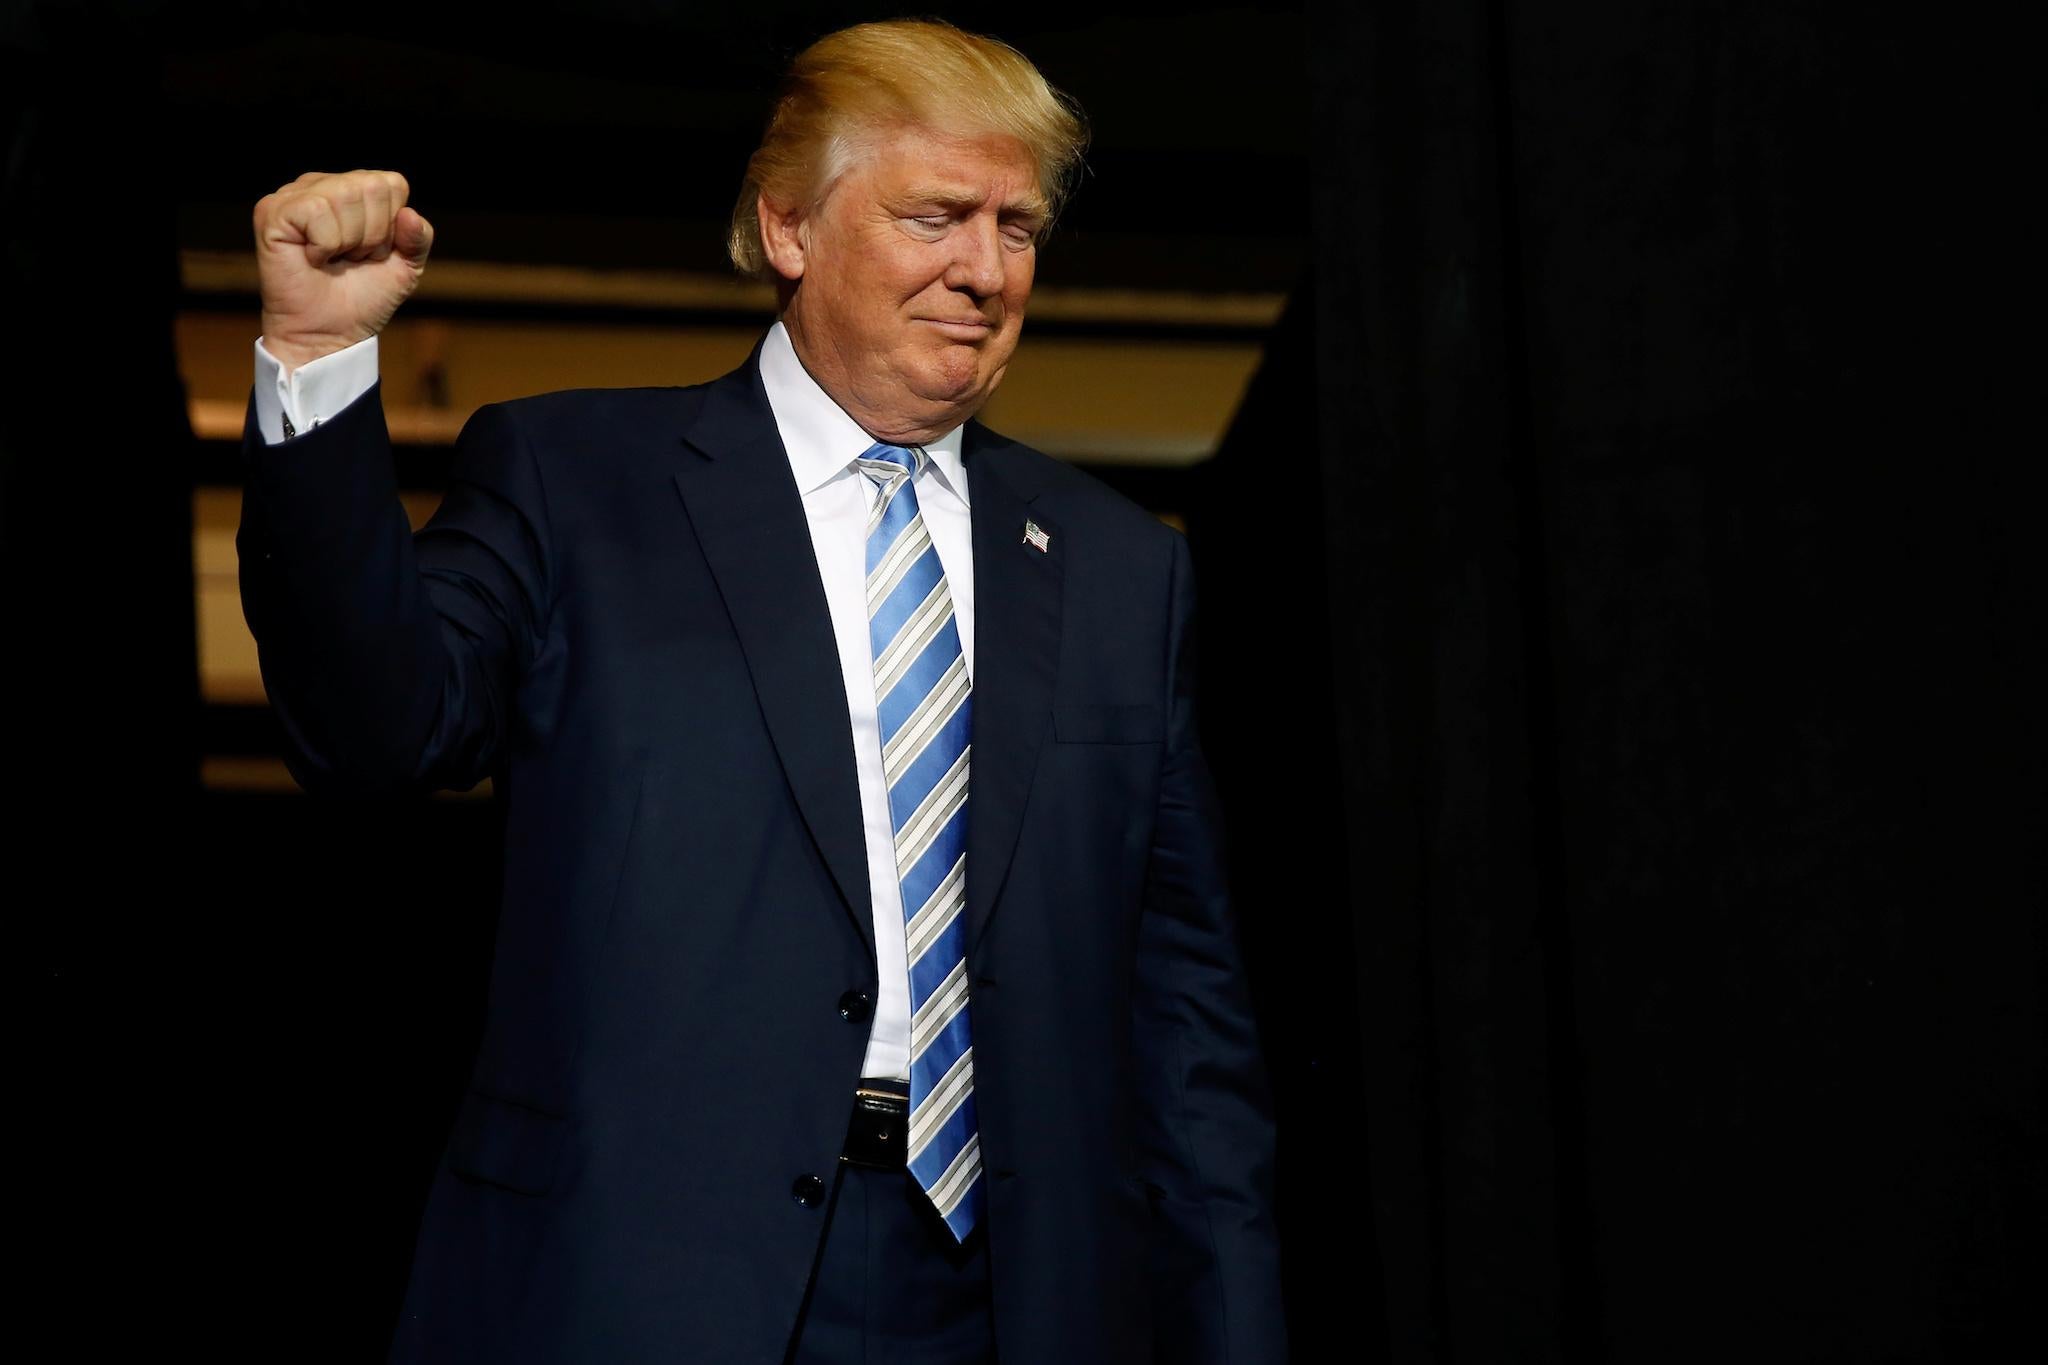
(972, 329)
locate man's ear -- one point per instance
(783, 239)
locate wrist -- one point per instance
(294, 350)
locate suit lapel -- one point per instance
(747, 514)
(749, 518)
(1016, 657)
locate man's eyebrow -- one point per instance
(955, 200)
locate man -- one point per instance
(865, 987)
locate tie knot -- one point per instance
(884, 463)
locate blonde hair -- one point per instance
(852, 85)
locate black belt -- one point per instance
(875, 1133)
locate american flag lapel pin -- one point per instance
(1035, 537)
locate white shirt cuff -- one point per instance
(313, 392)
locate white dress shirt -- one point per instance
(822, 442)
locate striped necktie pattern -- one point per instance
(926, 714)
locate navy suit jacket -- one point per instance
(616, 615)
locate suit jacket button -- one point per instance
(854, 1006)
(808, 1191)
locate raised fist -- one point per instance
(336, 253)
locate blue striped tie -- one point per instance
(926, 718)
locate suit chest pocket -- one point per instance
(1092, 724)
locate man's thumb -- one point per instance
(412, 236)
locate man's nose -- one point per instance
(978, 257)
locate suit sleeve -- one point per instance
(1206, 1139)
(390, 658)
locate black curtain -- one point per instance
(1662, 396)
(232, 1101)
(101, 682)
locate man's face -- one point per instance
(914, 275)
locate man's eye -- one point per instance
(936, 223)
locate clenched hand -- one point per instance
(336, 253)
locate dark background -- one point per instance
(1644, 899)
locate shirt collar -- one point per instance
(822, 440)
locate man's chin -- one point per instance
(953, 383)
